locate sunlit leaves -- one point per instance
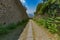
(49, 7)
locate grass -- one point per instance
(48, 23)
(6, 29)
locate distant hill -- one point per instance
(31, 15)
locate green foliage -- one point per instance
(49, 7)
(4, 29)
(11, 26)
(51, 25)
(48, 23)
(39, 7)
(41, 21)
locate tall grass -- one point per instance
(48, 23)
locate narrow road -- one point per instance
(34, 32)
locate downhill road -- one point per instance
(34, 32)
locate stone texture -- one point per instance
(27, 33)
(11, 11)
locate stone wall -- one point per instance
(11, 11)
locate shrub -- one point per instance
(41, 21)
(6, 29)
(11, 26)
(48, 23)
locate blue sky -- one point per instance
(30, 5)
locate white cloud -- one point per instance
(23, 1)
(30, 10)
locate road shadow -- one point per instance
(13, 35)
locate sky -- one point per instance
(30, 5)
